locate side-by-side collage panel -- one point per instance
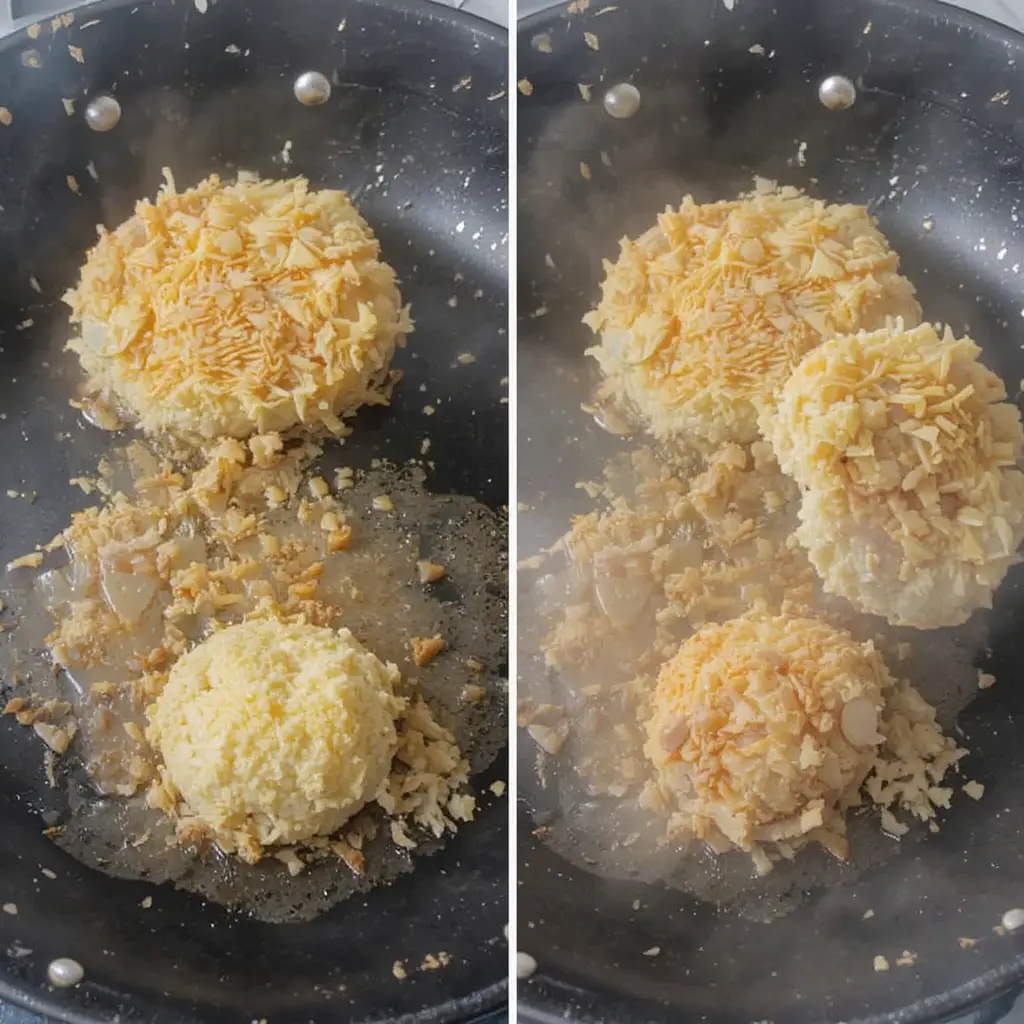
(255, 447)
(770, 504)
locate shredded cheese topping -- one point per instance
(238, 309)
(906, 450)
(706, 314)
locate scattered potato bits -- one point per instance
(273, 728)
(706, 314)
(764, 728)
(906, 450)
(280, 731)
(238, 309)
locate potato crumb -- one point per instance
(584, 91)
(425, 649)
(975, 790)
(907, 959)
(318, 487)
(30, 561)
(985, 680)
(6, 117)
(525, 86)
(430, 572)
(400, 836)
(497, 788)
(266, 449)
(339, 539)
(653, 951)
(399, 971)
(881, 964)
(473, 694)
(433, 963)
(585, 171)
(146, 903)
(868, 914)
(10, 908)
(591, 40)
(382, 503)
(966, 943)
(290, 858)
(77, 54)
(84, 483)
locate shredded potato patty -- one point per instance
(764, 728)
(705, 315)
(906, 450)
(238, 309)
(278, 730)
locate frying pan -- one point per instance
(934, 139)
(415, 131)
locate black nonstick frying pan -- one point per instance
(934, 146)
(415, 130)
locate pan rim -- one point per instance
(435, 10)
(38, 998)
(549, 1000)
(465, 1009)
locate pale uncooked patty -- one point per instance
(280, 731)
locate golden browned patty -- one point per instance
(702, 318)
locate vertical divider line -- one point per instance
(513, 506)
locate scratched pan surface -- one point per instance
(936, 134)
(426, 158)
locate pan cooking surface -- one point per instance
(933, 146)
(411, 134)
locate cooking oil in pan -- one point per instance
(377, 583)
